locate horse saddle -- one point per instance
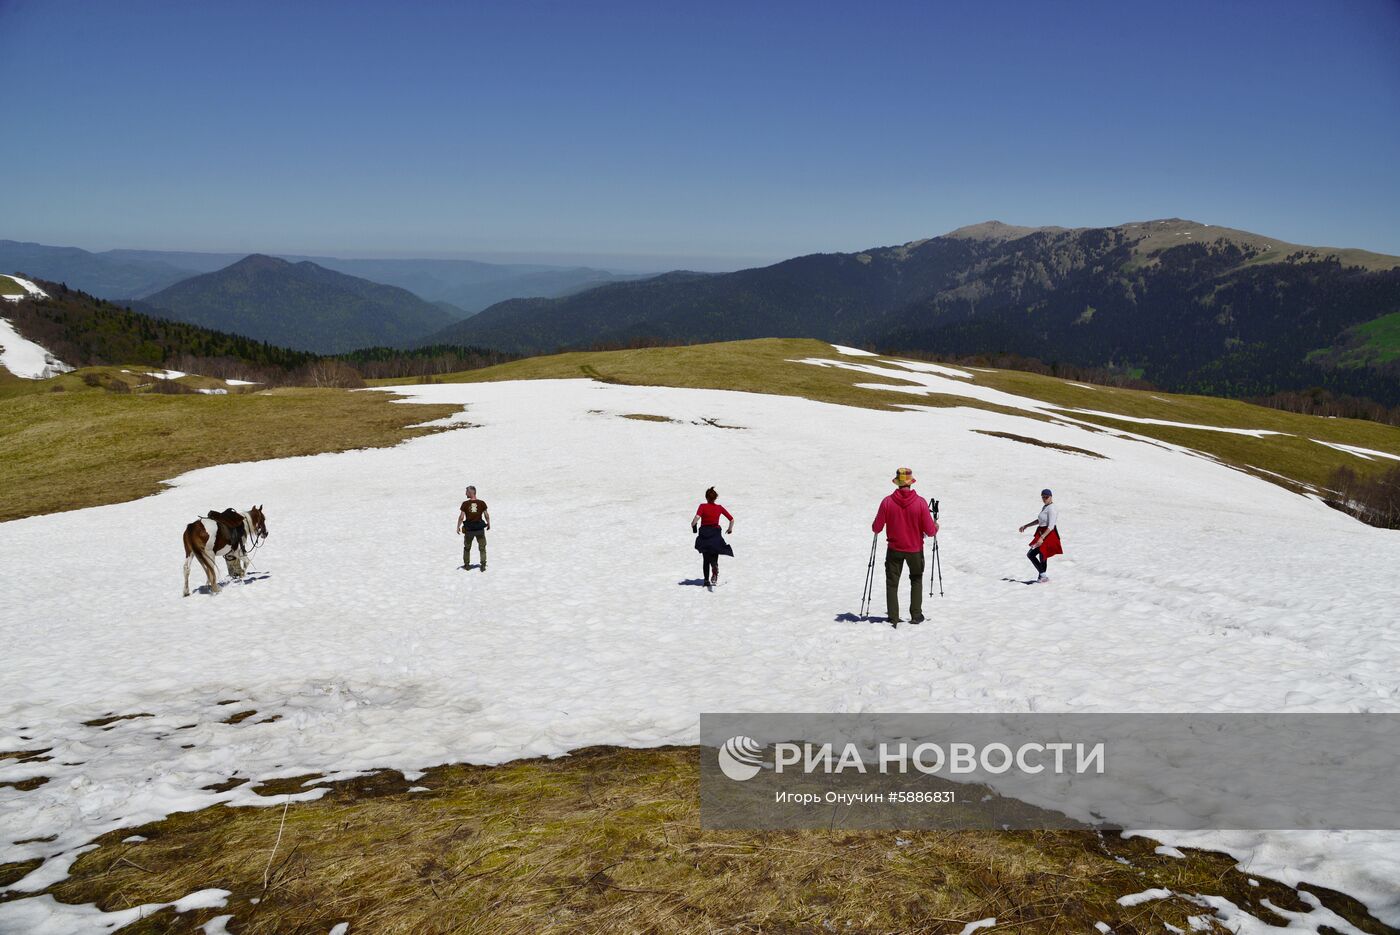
(232, 522)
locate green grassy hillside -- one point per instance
(85, 446)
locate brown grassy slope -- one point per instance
(608, 840)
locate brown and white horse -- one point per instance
(230, 534)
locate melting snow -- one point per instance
(377, 651)
(1146, 896)
(29, 289)
(1366, 453)
(24, 358)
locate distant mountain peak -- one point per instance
(300, 305)
(257, 261)
(997, 231)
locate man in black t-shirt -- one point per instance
(472, 521)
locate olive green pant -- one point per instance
(467, 537)
(894, 562)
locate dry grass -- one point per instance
(1070, 449)
(85, 447)
(608, 840)
(646, 417)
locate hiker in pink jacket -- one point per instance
(905, 518)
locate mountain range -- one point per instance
(1185, 305)
(467, 285)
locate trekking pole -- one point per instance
(936, 561)
(865, 595)
(938, 564)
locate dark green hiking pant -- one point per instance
(894, 561)
(467, 537)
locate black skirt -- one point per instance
(710, 539)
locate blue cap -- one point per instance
(1046, 493)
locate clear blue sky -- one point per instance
(711, 134)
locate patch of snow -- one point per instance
(1366, 453)
(852, 351)
(217, 926)
(373, 664)
(1083, 386)
(219, 392)
(232, 382)
(163, 374)
(1103, 927)
(340, 928)
(1146, 896)
(1255, 433)
(204, 899)
(1167, 851)
(930, 383)
(24, 358)
(1242, 922)
(43, 915)
(971, 927)
(927, 367)
(30, 289)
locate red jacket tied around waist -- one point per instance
(1051, 546)
(906, 518)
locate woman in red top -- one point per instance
(709, 542)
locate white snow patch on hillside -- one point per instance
(941, 369)
(376, 650)
(852, 351)
(931, 379)
(1256, 433)
(30, 289)
(1367, 454)
(24, 358)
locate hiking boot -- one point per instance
(917, 618)
(895, 620)
(1042, 579)
(483, 566)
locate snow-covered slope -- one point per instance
(1186, 586)
(21, 356)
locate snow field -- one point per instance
(1187, 586)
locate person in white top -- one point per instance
(1046, 541)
